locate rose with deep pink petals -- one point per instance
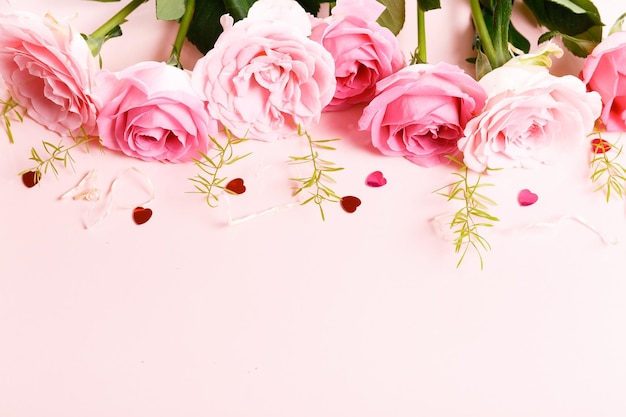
(604, 71)
(530, 117)
(48, 69)
(264, 77)
(364, 51)
(150, 111)
(420, 112)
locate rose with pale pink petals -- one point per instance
(364, 51)
(48, 69)
(150, 111)
(604, 71)
(420, 112)
(531, 117)
(265, 77)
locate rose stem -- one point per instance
(183, 27)
(421, 33)
(483, 33)
(116, 20)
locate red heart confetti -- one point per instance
(236, 186)
(31, 178)
(141, 215)
(349, 203)
(527, 198)
(376, 179)
(600, 146)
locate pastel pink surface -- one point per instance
(285, 315)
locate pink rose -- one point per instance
(151, 112)
(530, 117)
(48, 69)
(604, 71)
(420, 112)
(364, 51)
(264, 77)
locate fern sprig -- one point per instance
(56, 156)
(320, 178)
(208, 181)
(606, 170)
(9, 111)
(473, 215)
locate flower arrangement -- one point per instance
(270, 68)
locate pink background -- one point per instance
(364, 314)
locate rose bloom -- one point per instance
(604, 71)
(48, 69)
(151, 112)
(364, 51)
(420, 112)
(530, 117)
(264, 77)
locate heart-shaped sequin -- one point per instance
(31, 178)
(236, 186)
(350, 203)
(527, 197)
(376, 179)
(141, 215)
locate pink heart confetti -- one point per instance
(376, 179)
(527, 197)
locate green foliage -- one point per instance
(472, 216)
(208, 181)
(578, 22)
(394, 15)
(427, 5)
(9, 111)
(492, 42)
(205, 26)
(95, 43)
(320, 176)
(618, 26)
(170, 9)
(56, 156)
(580, 45)
(238, 9)
(110, 28)
(607, 171)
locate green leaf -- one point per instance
(514, 36)
(170, 9)
(501, 21)
(618, 26)
(580, 45)
(311, 6)
(569, 17)
(238, 9)
(205, 26)
(427, 5)
(393, 17)
(482, 64)
(95, 44)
